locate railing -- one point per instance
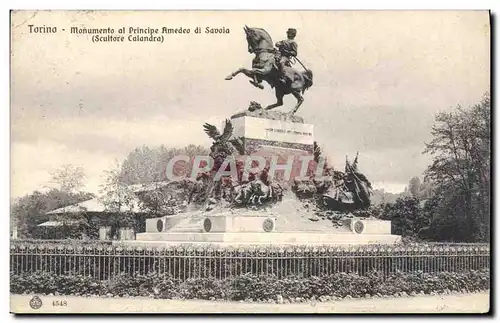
(103, 261)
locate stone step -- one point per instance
(298, 238)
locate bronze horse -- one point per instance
(264, 68)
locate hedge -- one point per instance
(253, 287)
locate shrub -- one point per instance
(250, 286)
(47, 283)
(204, 288)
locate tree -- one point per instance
(414, 186)
(158, 199)
(30, 210)
(445, 214)
(380, 196)
(461, 167)
(426, 189)
(68, 177)
(147, 165)
(119, 199)
(115, 194)
(406, 216)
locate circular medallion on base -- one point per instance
(159, 225)
(357, 226)
(207, 225)
(268, 225)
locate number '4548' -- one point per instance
(59, 303)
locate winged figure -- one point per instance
(215, 134)
(223, 141)
(238, 145)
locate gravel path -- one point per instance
(461, 303)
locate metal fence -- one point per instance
(106, 261)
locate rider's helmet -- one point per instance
(291, 32)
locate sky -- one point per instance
(379, 79)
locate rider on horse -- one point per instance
(272, 64)
(287, 49)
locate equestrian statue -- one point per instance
(274, 65)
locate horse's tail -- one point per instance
(308, 79)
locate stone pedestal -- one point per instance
(283, 141)
(175, 223)
(267, 134)
(241, 224)
(235, 230)
(266, 238)
(262, 132)
(211, 223)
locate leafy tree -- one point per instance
(118, 199)
(160, 199)
(147, 165)
(68, 177)
(426, 189)
(414, 186)
(417, 188)
(30, 210)
(406, 216)
(115, 194)
(444, 226)
(461, 169)
(157, 201)
(380, 197)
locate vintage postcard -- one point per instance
(250, 162)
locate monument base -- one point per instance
(267, 238)
(257, 132)
(253, 229)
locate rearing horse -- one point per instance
(264, 69)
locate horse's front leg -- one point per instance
(243, 70)
(250, 73)
(300, 99)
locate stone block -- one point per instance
(239, 224)
(277, 133)
(265, 238)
